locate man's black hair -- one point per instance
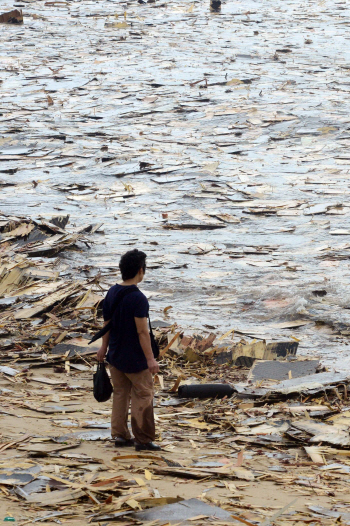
(131, 262)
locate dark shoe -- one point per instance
(147, 447)
(122, 442)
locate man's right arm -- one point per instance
(101, 353)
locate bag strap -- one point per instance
(120, 296)
(150, 326)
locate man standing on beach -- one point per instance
(130, 356)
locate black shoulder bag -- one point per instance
(102, 385)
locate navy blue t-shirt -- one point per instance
(125, 351)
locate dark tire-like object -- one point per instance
(205, 391)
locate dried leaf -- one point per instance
(133, 504)
(211, 167)
(158, 378)
(233, 82)
(140, 482)
(176, 384)
(148, 475)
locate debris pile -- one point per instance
(280, 424)
(214, 137)
(35, 286)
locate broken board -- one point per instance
(281, 370)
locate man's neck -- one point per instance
(129, 282)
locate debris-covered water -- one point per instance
(217, 143)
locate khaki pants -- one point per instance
(138, 387)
